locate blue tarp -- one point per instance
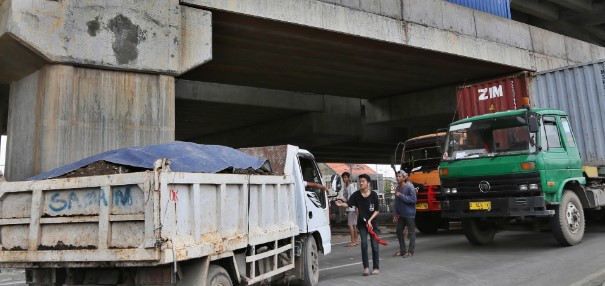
(183, 157)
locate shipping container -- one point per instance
(496, 7)
(492, 96)
(580, 91)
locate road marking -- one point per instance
(589, 278)
(386, 236)
(341, 266)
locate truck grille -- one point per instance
(493, 186)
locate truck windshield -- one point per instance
(491, 137)
(421, 158)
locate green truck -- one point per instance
(518, 170)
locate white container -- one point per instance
(140, 218)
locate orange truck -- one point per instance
(420, 159)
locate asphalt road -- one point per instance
(447, 258)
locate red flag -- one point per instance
(373, 234)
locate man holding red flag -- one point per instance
(366, 201)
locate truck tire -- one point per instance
(310, 262)
(218, 276)
(427, 223)
(568, 221)
(478, 232)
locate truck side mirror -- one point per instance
(532, 122)
(336, 183)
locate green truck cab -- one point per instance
(518, 169)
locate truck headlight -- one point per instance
(522, 187)
(447, 190)
(454, 190)
(533, 187)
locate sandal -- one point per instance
(349, 244)
(366, 272)
(408, 254)
(375, 272)
(398, 253)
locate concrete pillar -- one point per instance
(4, 90)
(61, 114)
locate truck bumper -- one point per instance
(500, 207)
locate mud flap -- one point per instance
(194, 272)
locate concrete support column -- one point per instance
(61, 114)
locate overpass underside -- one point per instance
(347, 83)
(339, 72)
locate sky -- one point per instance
(2, 152)
(385, 170)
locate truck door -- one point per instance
(574, 166)
(556, 159)
(316, 199)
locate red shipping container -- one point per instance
(492, 96)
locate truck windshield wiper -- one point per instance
(504, 153)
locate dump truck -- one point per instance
(521, 170)
(163, 227)
(420, 159)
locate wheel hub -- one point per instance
(572, 217)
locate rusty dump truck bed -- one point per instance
(141, 219)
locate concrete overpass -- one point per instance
(346, 79)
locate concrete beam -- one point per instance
(543, 10)
(62, 114)
(414, 109)
(581, 6)
(160, 36)
(248, 96)
(340, 122)
(593, 17)
(428, 33)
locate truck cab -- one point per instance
(517, 169)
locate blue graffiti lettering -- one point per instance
(73, 197)
(122, 198)
(103, 198)
(63, 201)
(56, 200)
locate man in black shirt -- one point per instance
(366, 201)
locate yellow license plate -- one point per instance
(480, 205)
(422, 206)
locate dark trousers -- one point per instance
(411, 224)
(363, 233)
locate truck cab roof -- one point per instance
(541, 111)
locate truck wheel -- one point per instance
(478, 232)
(310, 262)
(427, 224)
(568, 221)
(218, 276)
